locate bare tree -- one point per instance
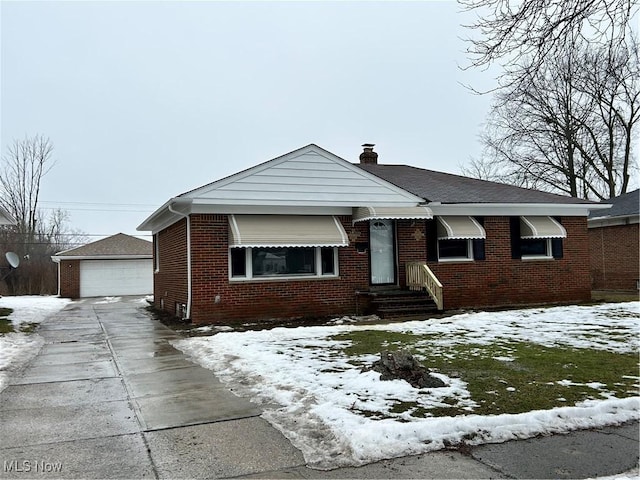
(37, 273)
(508, 30)
(57, 234)
(611, 78)
(568, 125)
(36, 236)
(23, 167)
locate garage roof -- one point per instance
(119, 245)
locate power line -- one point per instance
(85, 234)
(95, 206)
(101, 203)
(48, 244)
(98, 210)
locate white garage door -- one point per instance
(101, 278)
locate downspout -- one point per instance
(188, 220)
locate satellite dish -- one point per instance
(13, 259)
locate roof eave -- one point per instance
(6, 218)
(156, 222)
(58, 258)
(514, 209)
(617, 220)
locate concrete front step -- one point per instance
(398, 303)
(400, 311)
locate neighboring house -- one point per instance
(6, 218)
(116, 265)
(310, 234)
(614, 240)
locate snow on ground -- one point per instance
(318, 393)
(108, 300)
(213, 328)
(610, 326)
(146, 300)
(18, 348)
(32, 308)
(632, 474)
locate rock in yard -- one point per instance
(402, 365)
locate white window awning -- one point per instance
(541, 227)
(286, 231)
(459, 228)
(360, 214)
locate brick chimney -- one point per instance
(368, 156)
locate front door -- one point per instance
(382, 248)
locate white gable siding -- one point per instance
(306, 179)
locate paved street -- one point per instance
(109, 397)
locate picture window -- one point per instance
(282, 262)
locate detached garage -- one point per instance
(114, 266)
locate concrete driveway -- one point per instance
(109, 397)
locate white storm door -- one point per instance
(382, 248)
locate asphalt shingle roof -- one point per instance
(118, 244)
(624, 205)
(448, 188)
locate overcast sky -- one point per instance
(146, 100)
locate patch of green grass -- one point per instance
(412, 408)
(528, 382)
(28, 327)
(373, 341)
(5, 324)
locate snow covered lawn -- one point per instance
(17, 348)
(512, 374)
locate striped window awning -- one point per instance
(361, 214)
(541, 227)
(286, 231)
(459, 228)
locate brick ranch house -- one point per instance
(614, 239)
(310, 234)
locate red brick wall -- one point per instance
(69, 278)
(263, 299)
(170, 281)
(411, 245)
(497, 281)
(501, 281)
(615, 262)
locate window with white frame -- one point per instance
(535, 248)
(536, 237)
(459, 238)
(455, 249)
(282, 262)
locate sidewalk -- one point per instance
(108, 397)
